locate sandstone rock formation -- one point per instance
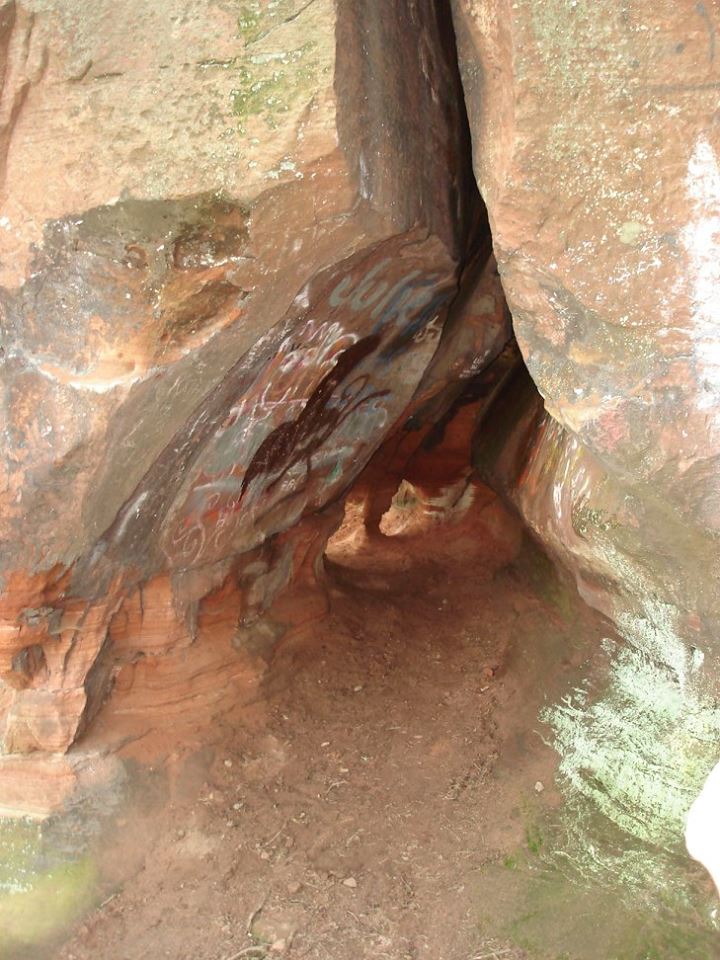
(596, 149)
(228, 251)
(244, 269)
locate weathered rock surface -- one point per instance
(596, 149)
(243, 264)
(228, 249)
(432, 447)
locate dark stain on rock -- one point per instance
(296, 440)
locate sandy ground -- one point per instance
(393, 766)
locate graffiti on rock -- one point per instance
(295, 440)
(316, 410)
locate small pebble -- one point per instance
(350, 882)
(539, 787)
(294, 887)
(228, 763)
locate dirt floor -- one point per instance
(394, 767)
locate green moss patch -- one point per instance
(39, 900)
(280, 70)
(272, 87)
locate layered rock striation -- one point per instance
(231, 235)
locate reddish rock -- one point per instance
(603, 189)
(227, 250)
(601, 179)
(432, 446)
(597, 149)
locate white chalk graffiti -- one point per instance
(388, 310)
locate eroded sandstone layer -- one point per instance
(230, 237)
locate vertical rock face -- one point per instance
(597, 151)
(227, 250)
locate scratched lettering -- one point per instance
(317, 409)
